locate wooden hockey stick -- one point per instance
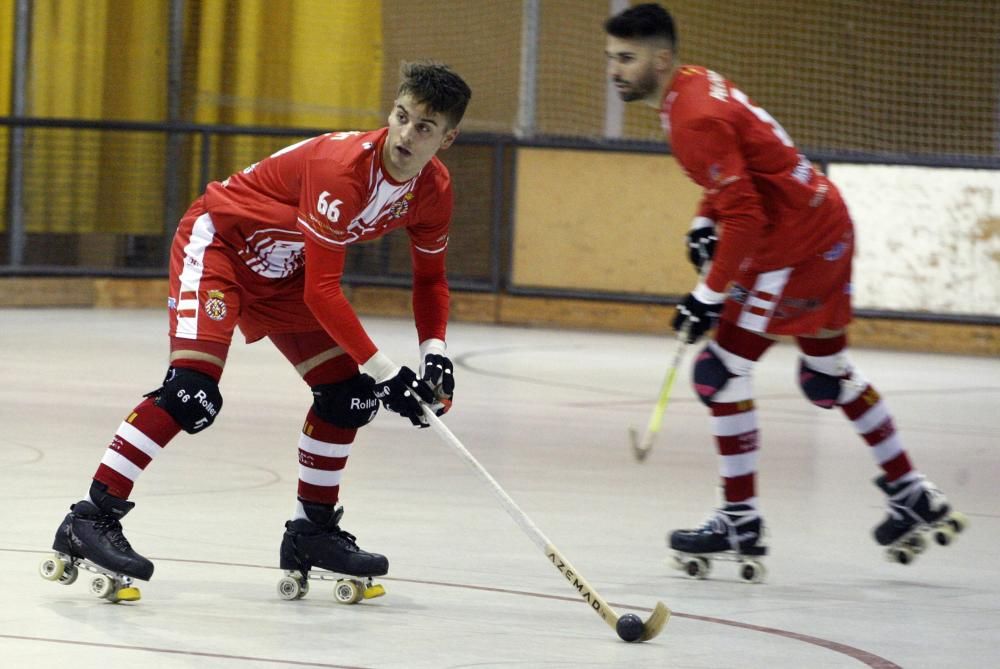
(650, 628)
(642, 448)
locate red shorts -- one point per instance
(212, 290)
(798, 300)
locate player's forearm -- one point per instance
(338, 318)
(431, 297)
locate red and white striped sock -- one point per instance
(323, 452)
(861, 403)
(734, 425)
(734, 416)
(870, 416)
(139, 439)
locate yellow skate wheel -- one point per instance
(958, 521)
(373, 591)
(51, 569)
(129, 594)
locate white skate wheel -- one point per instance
(51, 569)
(697, 567)
(944, 535)
(289, 588)
(917, 543)
(347, 592)
(958, 521)
(752, 571)
(102, 586)
(70, 572)
(900, 554)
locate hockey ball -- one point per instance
(629, 627)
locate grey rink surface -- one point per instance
(546, 412)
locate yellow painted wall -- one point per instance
(295, 63)
(602, 221)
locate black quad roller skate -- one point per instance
(317, 541)
(90, 538)
(917, 509)
(732, 533)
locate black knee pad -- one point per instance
(349, 404)
(191, 398)
(709, 375)
(820, 388)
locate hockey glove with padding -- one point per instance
(438, 373)
(701, 239)
(402, 393)
(698, 312)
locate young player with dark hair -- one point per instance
(776, 242)
(265, 250)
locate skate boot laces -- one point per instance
(727, 521)
(914, 497)
(112, 529)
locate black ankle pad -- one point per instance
(348, 404)
(191, 398)
(322, 515)
(109, 504)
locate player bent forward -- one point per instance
(780, 241)
(265, 250)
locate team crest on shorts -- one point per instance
(215, 305)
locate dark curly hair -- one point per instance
(436, 86)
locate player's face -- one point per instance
(632, 68)
(415, 135)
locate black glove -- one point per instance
(403, 394)
(696, 317)
(701, 245)
(440, 378)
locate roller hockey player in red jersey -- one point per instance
(780, 243)
(265, 250)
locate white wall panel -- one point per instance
(928, 238)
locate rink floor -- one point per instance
(546, 412)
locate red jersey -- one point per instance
(772, 208)
(304, 205)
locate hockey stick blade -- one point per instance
(650, 627)
(655, 623)
(640, 449)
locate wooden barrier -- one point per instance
(598, 315)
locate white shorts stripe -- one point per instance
(871, 419)
(134, 436)
(320, 477)
(772, 283)
(121, 464)
(730, 426)
(202, 234)
(322, 448)
(738, 465)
